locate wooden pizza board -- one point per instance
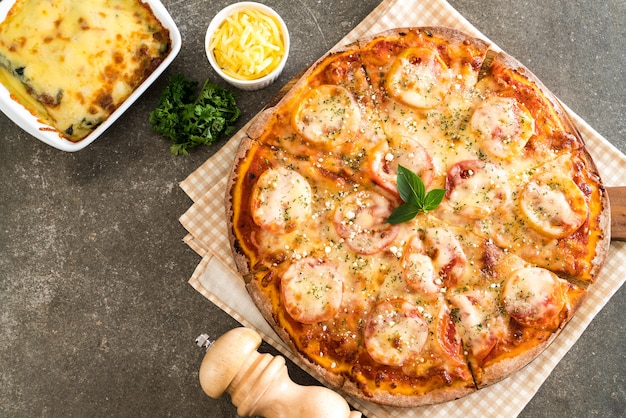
(617, 197)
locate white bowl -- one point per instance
(219, 18)
(44, 132)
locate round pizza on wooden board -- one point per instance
(417, 218)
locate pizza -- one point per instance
(454, 297)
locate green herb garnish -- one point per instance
(413, 192)
(189, 121)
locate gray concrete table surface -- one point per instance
(96, 316)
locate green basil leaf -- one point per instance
(403, 213)
(412, 191)
(410, 186)
(433, 199)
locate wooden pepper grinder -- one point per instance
(259, 383)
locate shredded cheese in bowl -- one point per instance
(247, 42)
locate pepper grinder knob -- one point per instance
(259, 384)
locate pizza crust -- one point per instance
(406, 401)
(496, 372)
(453, 36)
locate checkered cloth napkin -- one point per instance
(217, 279)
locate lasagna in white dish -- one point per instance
(73, 62)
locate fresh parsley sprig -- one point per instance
(189, 121)
(413, 193)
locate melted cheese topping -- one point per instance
(433, 262)
(419, 78)
(481, 322)
(448, 257)
(80, 59)
(475, 188)
(312, 290)
(554, 205)
(400, 150)
(503, 125)
(281, 200)
(395, 333)
(328, 115)
(418, 269)
(361, 219)
(533, 296)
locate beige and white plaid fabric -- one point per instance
(216, 277)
